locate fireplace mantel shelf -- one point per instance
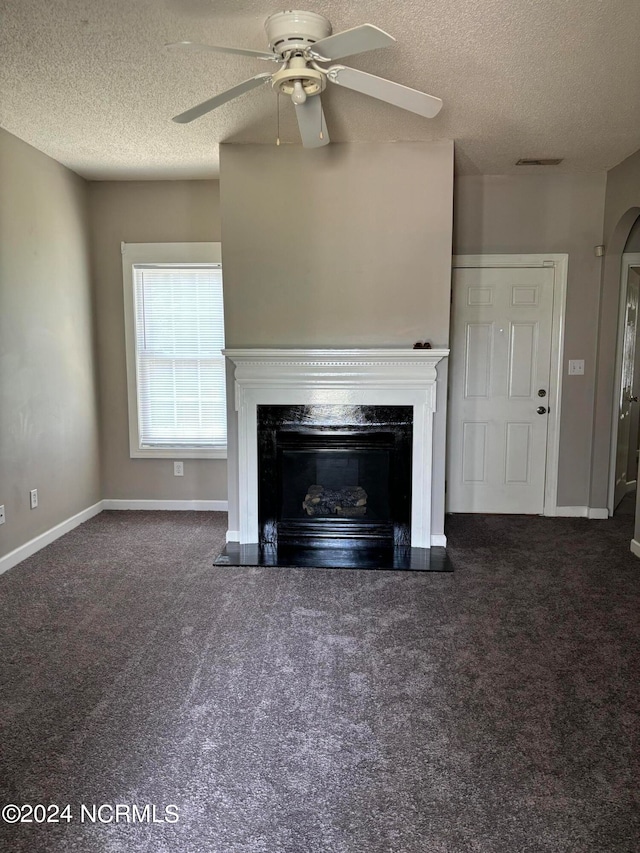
(378, 376)
(366, 358)
(335, 368)
(393, 354)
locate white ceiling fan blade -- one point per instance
(313, 129)
(350, 42)
(194, 45)
(385, 90)
(222, 98)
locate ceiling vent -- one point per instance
(534, 161)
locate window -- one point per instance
(174, 325)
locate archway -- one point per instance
(613, 294)
(606, 356)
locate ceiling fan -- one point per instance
(303, 45)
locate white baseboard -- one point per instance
(202, 506)
(34, 545)
(598, 512)
(571, 511)
(233, 535)
(635, 547)
(631, 486)
(581, 512)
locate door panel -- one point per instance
(518, 453)
(522, 360)
(478, 359)
(500, 359)
(474, 452)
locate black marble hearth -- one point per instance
(307, 556)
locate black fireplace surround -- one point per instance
(334, 476)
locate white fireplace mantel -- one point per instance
(358, 377)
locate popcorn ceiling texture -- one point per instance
(91, 85)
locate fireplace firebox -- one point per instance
(334, 476)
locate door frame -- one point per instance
(628, 260)
(559, 263)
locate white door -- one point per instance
(626, 388)
(499, 389)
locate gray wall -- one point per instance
(345, 246)
(143, 212)
(48, 403)
(537, 214)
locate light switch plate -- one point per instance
(576, 367)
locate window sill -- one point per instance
(178, 453)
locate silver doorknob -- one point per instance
(541, 410)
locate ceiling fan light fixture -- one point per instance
(298, 79)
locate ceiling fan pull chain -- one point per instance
(278, 114)
(321, 133)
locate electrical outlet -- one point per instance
(178, 469)
(33, 497)
(576, 367)
(2, 518)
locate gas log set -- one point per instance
(347, 502)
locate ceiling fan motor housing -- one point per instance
(294, 31)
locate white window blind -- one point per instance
(180, 372)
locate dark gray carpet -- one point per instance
(301, 710)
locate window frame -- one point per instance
(158, 253)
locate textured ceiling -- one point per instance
(90, 83)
